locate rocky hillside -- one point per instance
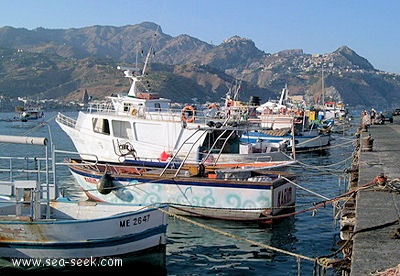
(63, 63)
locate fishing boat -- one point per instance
(293, 130)
(303, 140)
(28, 112)
(37, 223)
(282, 113)
(276, 106)
(143, 125)
(245, 194)
(26, 115)
(334, 110)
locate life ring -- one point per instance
(133, 112)
(191, 114)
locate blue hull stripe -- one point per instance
(87, 244)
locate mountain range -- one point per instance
(66, 63)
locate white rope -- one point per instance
(297, 185)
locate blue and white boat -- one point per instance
(304, 140)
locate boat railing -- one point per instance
(189, 140)
(166, 115)
(101, 107)
(175, 114)
(223, 137)
(32, 175)
(22, 173)
(66, 155)
(65, 120)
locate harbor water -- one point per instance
(211, 247)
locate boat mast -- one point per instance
(323, 87)
(293, 141)
(130, 72)
(150, 51)
(284, 95)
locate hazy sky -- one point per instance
(370, 27)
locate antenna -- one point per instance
(323, 86)
(130, 71)
(238, 86)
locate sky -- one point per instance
(369, 27)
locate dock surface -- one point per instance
(376, 242)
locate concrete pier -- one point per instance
(372, 221)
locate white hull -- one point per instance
(36, 223)
(308, 140)
(85, 231)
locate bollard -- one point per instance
(367, 143)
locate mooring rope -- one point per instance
(238, 237)
(305, 189)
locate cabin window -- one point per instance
(122, 129)
(101, 126)
(127, 107)
(157, 106)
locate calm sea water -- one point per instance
(209, 247)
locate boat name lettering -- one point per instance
(134, 221)
(90, 180)
(284, 196)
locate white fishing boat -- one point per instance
(140, 125)
(276, 106)
(36, 223)
(334, 110)
(304, 141)
(299, 136)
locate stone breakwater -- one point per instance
(370, 220)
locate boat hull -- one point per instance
(40, 230)
(130, 230)
(302, 142)
(220, 197)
